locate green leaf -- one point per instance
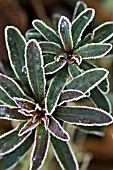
(57, 130)
(73, 70)
(11, 88)
(33, 34)
(80, 6)
(80, 23)
(35, 70)
(10, 140)
(64, 154)
(104, 85)
(87, 80)
(100, 100)
(15, 44)
(99, 35)
(55, 18)
(92, 51)
(11, 113)
(48, 58)
(5, 99)
(50, 47)
(10, 160)
(54, 66)
(40, 149)
(70, 95)
(64, 29)
(47, 32)
(55, 89)
(83, 115)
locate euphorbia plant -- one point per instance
(39, 104)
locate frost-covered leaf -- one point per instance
(64, 29)
(94, 50)
(11, 113)
(100, 100)
(33, 34)
(83, 115)
(40, 147)
(55, 89)
(70, 95)
(15, 44)
(54, 66)
(88, 80)
(99, 35)
(8, 85)
(64, 154)
(57, 130)
(10, 140)
(47, 32)
(73, 70)
(50, 47)
(80, 6)
(11, 159)
(5, 99)
(35, 70)
(48, 58)
(80, 23)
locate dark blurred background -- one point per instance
(93, 153)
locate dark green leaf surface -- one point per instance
(54, 66)
(35, 70)
(64, 29)
(55, 89)
(48, 58)
(92, 51)
(16, 48)
(33, 34)
(40, 149)
(64, 154)
(70, 95)
(80, 23)
(10, 141)
(83, 115)
(100, 34)
(11, 113)
(11, 159)
(55, 18)
(80, 6)
(100, 100)
(73, 70)
(87, 80)
(47, 32)
(5, 99)
(50, 47)
(11, 87)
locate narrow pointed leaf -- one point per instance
(47, 32)
(80, 6)
(55, 89)
(99, 35)
(73, 70)
(24, 103)
(48, 58)
(57, 130)
(10, 141)
(70, 95)
(11, 87)
(64, 154)
(33, 34)
(11, 113)
(88, 80)
(100, 100)
(64, 29)
(83, 115)
(50, 47)
(10, 160)
(15, 44)
(54, 66)
(5, 99)
(92, 51)
(80, 23)
(40, 148)
(104, 85)
(35, 70)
